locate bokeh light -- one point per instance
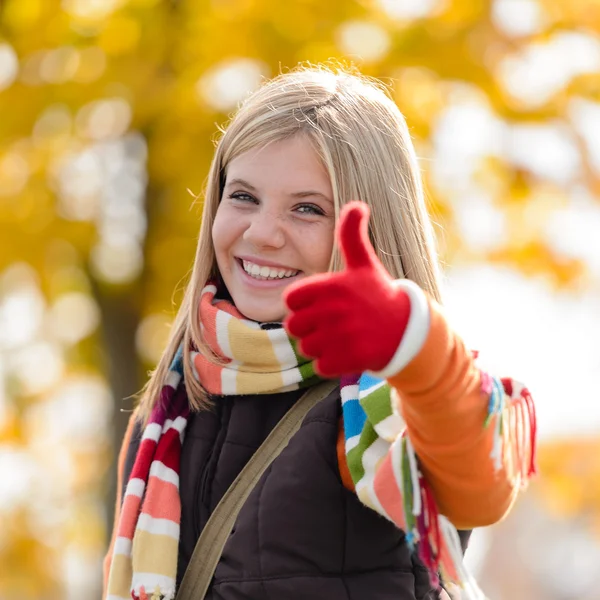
(9, 65)
(365, 41)
(226, 84)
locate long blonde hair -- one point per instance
(362, 139)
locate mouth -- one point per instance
(266, 273)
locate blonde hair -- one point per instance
(362, 139)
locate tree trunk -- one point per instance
(120, 319)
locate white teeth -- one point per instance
(266, 272)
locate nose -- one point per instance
(265, 230)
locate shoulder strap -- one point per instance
(211, 542)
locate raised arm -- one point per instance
(443, 439)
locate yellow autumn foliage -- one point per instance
(108, 112)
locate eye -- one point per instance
(242, 196)
(310, 209)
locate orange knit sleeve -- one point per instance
(441, 399)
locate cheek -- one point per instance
(221, 238)
(318, 249)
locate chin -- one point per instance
(260, 314)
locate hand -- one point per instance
(354, 320)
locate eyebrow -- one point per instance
(243, 183)
(303, 194)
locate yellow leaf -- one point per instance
(120, 35)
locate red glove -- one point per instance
(355, 320)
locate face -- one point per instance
(274, 225)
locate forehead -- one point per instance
(292, 161)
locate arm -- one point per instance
(445, 400)
(475, 448)
(474, 437)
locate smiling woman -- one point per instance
(274, 307)
(274, 225)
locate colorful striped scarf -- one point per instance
(262, 359)
(258, 359)
(144, 561)
(387, 477)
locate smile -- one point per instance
(265, 273)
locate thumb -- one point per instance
(353, 234)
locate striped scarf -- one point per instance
(262, 359)
(258, 359)
(387, 477)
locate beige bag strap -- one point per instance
(211, 542)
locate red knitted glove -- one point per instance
(355, 320)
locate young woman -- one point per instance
(414, 443)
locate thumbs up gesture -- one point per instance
(354, 320)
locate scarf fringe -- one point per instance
(431, 534)
(157, 594)
(511, 404)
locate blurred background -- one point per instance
(108, 113)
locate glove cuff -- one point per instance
(416, 331)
